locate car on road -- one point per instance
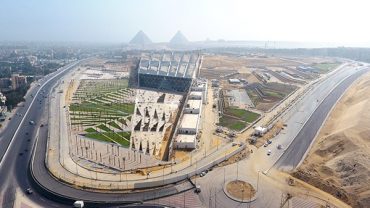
(78, 204)
(29, 191)
(279, 146)
(197, 189)
(265, 145)
(203, 174)
(269, 141)
(268, 152)
(32, 122)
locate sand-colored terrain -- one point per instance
(339, 161)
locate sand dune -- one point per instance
(339, 161)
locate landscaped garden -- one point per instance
(102, 109)
(237, 119)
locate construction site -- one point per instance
(159, 121)
(251, 85)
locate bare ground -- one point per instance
(339, 162)
(240, 189)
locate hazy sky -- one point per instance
(119, 20)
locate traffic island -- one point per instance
(240, 191)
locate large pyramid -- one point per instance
(179, 39)
(140, 39)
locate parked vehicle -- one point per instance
(78, 204)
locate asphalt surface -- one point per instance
(300, 145)
(16, 143)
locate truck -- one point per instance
(78, 204)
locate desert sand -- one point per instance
(339, 161)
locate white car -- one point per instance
(268, 152)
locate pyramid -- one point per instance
(179, 39)
(140, 39)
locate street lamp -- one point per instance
(258, 179)
(242, 194)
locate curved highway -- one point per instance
(18, 137)
(301, 144)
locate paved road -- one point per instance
(17, 143)
(299, 134)
(300, 145)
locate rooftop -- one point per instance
(185, 138)
(194, 104)
(189, 121)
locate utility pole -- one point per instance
(163, 175)
(210, 198)
(215, 198)
(237, 170)
(258, 179)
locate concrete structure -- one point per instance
(234, 81)
(3, 107)
(189, 124)
(188, 127)
(5, 83)
(195, 95)
(184, 141)
(200, 85)
(18, 81)
(259, 130)
(170, 71)
(153, 118)
(193, 106)
(215, 83)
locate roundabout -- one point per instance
(240, 191)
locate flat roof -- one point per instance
(185, 138)
(234, 80)
(189, 121)
(194, 104)
(196, 93)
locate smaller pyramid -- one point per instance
(140, 39)
(179, 39)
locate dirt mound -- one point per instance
(339, 161)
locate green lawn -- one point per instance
(104, 128)
(90, 130)
(326, 67)
(274, 94)
(244, 115)
(123, 138)
(115, 125)
(98, 136)
(232, 123)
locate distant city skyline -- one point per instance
(339, 22)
